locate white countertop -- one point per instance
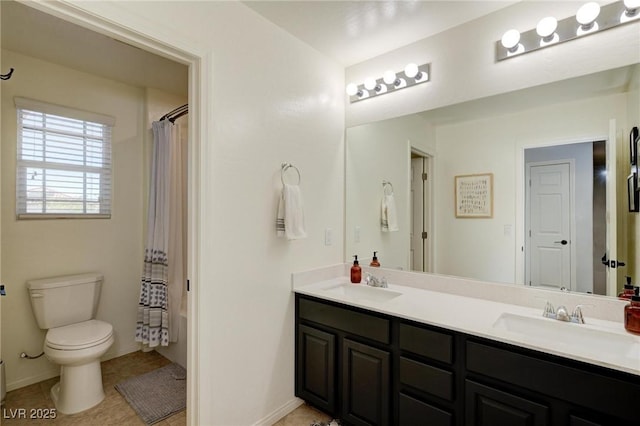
(476, 316)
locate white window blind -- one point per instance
(64, 162)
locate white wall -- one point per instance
(273, 99)
(376, 152)
(464, 65)
(479, 248)
(43, 248)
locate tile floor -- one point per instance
(114, 410)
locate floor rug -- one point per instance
(158, 394)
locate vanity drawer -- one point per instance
(429, 343)
(586, 388)
(417, 413)
(361, 324)
(426, 378)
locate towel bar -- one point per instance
(285, 167)
(384, 187)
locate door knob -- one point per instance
(563, 242)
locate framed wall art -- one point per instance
(474, 196)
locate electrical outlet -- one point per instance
(328, 238)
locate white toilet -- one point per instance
(66, 307)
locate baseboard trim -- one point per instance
(26, 381)
(278, 414)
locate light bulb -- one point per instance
(631, 7)
(511, 39)
(352, 89)
(587, 14)
(547, 26)
(370, 83)
(389, 77)
(411, 70)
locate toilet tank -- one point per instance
(64, 300)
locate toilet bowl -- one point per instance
(66, 307)
(77, 349)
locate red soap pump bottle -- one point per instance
(374, 261)
(632, 313)
(356, 271)
(628, 290)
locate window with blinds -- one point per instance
(64, 162)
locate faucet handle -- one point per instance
(549, 311)
(577, 316)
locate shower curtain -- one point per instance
(163, 275)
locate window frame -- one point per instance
(106, 170)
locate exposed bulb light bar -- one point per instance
(591, 18)
(390, 82)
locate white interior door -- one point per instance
(417, 214)
(550, 215)
(611, 254)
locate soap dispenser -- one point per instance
(628, 290)
(374, 261)
(356, 271)
(632, 313)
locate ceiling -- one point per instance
(354, 31)
(347, 31)
(37, 34)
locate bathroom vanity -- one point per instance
(413, 356)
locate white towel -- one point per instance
(290, 219)
(388, 218)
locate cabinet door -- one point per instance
(365, 384)
(418, 413)
(487, 406)
(315, 363)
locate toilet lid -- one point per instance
(79, 336)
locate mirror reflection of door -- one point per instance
(565, 217)
(420, 218)
(551, 219)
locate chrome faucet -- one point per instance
(562, 314)
(375, 282)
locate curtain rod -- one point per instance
(176, 113)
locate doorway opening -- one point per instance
(193, 62)
(565, 216)
(421, 236)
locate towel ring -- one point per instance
(287, 166)
(385, 185)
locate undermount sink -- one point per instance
(578, 336)
(363, 292)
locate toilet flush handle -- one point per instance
(37, 295)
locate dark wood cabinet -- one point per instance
(414, 412)
(368, 368)
(366, 384)
(486, 406)
(316, 368)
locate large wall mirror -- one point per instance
(552, 161)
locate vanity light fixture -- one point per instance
(590, 18)
(390, 82)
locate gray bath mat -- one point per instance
(158, 394)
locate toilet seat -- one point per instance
(78, 336)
